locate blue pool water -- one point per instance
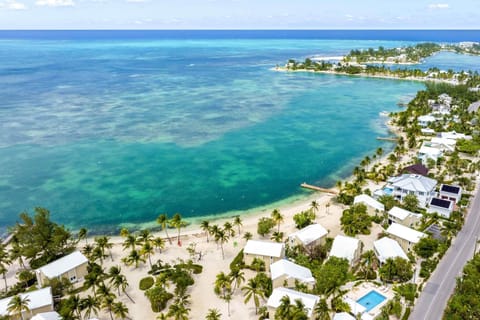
(371, 300)
(388, 191)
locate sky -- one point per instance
(239, 14)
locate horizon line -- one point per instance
(245, 29)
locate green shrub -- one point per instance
(146, 283)
(237, 262)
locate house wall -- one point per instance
(406, 245)
(248, 258)
(29, 314)
(294, 241)
(441, 211)
(409, 221)
(78, 273)
(423, 200)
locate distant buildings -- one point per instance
(416, 169)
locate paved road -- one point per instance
(435, 295)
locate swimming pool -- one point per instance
(371, 300)
(388, 191)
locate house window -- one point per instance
(73, 278)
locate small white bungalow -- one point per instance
(443, 207)
(72, 267)
(39, 301)
(373, 206)
(268, 251)
(406, 237)
(424, 121)
(285, 273)
(387, 248)
(449, 192)
(346, 247)
(403, 217)
(427, 151)
(309, 300)
(310, 236)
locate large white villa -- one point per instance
(422, 187)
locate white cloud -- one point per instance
(13, 5)
(137, 1)
(55, 3)
(438, 6)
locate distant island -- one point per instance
(372, 63)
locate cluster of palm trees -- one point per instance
(142, 246)
(219, 234)
(102, 284)
(175, 222)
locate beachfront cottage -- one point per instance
(308, 237)
(422, 187)
(285, 273)
(450, 192)
(309, 300)
(443, 207)
(405, 236)
(424, 121)
(39, 301)
(347, 248)
(268, 251)
(72, 267)
(47, 316)
(373, 206)
(387, 248)
(403, 217)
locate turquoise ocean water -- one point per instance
(110, 131)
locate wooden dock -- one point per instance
(387, 139)
(315, 188)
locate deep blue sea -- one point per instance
(111, 128)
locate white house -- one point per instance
(452, 135)
(449, 192)
(474, 106)
(309, 300)
(444, 144)
(72, 267)
(346, 247)
(406, 237)
(445, 99)
(47, 316)
(285, 273)
(268, 251)
(39, 301)
(310, 236)
(422, 187)
(443, 207)
(373, 206)
(387, 248)
(403, 217)
(427, 151)
(427, 131)
(424, 121)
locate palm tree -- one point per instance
(178, 311)
(115, 277)
(223, 284)
(103, 243)
(18, 305)
(4, 262)
(221, 237)
(314, 206)
(124, 232)
(321, 310)
(82, 234)
(228, 228)
(129, 242)
(147, 251)
(254, 290)
(247, 236)
(145, 236)
(162, 220)
(213, 230)
(74, 302)
(277, 236)
(327, 207)
(107, 302)
(205, 225)
(237, 221)
(178, 223)
(277, 217)
(133, 258)
(237, 275)
(213, 314)
(88, 251)
(120, 310)
(159, 243)
(90, 304)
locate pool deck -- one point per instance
(361, 290)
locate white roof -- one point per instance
(454, 135)
(264, 248)
(427, 118)
(291, 270)
(308, 300)
(431, 151)
(427, 130)
(47, 316)
(344, 247)
(38, 298)
(62, 265)
(369, 201)
(445, 141)
(343, 316)
(388, 248)
(414, 182)
(310, 233)
(399, 213)
(406, 233)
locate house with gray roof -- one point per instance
(422, 187)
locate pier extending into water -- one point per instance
(387, 139)
(315, 188)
